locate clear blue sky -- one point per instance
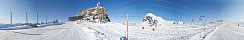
(178, 10)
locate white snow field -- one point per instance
(229, 31)
(113, 31)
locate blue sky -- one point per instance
(177, 10)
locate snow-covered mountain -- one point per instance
(96, 14)
(155, 21)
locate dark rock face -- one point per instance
(97, 14)
(74, 18)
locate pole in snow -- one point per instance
(26, 15)
(11, 19)
(126, 26)
(192, 23)
(46, 19)
(37, 17)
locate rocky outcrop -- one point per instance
(96, 14)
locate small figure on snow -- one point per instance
(153, 29)
(238, 25)
(142, 27)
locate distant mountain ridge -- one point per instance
(3, 25)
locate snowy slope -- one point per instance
(69, 31)
(113, 31)
(230, 31)
(83, 30)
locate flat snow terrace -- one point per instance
(114, 31)
(69, 31)
(230, 31)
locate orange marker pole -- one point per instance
(126, 26)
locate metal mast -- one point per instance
(46, 19)
(37, 17)
(26, 15)
(11, 19)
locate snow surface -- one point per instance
(230, 31)
(82, 30)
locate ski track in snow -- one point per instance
(113, 31)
